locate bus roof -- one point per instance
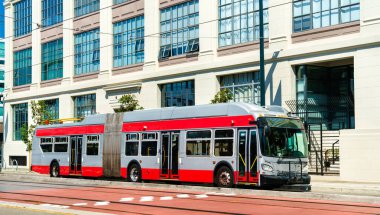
(197, 111)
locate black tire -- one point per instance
(134, 173)
(54, 170)
(224, 177)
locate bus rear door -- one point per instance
(247, 157)
(76, 155)
(169, 155)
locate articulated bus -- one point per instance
(220, 144)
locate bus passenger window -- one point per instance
(46, 144)
(132, 144)
(92, 145)
(149, 144)
(224, 140)
(198, 143)
(61, 144)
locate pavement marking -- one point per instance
(183, 196)
(45, 205)
(59, 206)
(166, 198)
(201, 196)
(102, 203)
(146, 199)
(220, 194)
(128, 199)
(79, 204)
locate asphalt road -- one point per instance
(133, 200)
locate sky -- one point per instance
(1, 19)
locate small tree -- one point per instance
(128, 103)
(40, 113)
(223, 96)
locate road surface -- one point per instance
(134, 200)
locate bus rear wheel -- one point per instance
(54, 170)
(224, 177)
(134, 173)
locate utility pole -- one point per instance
(262, 63)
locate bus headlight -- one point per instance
(267, 168)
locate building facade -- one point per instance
(2, 69)
(81, 56)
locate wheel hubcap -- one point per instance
(55, 171)
(225, 178)
(134, 174)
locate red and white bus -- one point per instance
(222, 144)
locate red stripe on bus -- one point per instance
(193, 123)
(88, 129)
(92, 171)
(41, 169)
(201, 176)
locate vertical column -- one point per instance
(66, 106)
(370, 17)
(152, 36)
(36, 46)
(208, 30)
(206, 86)
(106, 40)
(280, 23)
(68, 42)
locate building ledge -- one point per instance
(22, 88)
(49, 83)
(242, 47)
(184, 58)
(85, 77)
(127, 69)
(326, 32)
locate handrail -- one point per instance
(333, 148)
(13, 161)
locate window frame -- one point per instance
(97, 142)
(157, 140)
(54, 49)
(61, 143)
(47, 143)
(201, 139)
(132, 141)
(224, 138)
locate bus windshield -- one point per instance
(284, 138)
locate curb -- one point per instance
(318, 193)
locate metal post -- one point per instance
(321, 136)
(262, 63)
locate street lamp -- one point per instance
(262, 63)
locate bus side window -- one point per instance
(198, 143)
(92, 145)
(46, 144)
(61, 144)
(132, 144)
(224, 141)
(149, 144)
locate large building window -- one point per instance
(128, 42)
(22, 65)
(178, 94)
(52, 60)
(180, 29)
(22, 17)
(245, 87)
(239, 21)
(52, 107)
(87, 51)
(20, 119)
(83, 7)
(312, 14)
(119, 1)
(52, 12)
(84, 105)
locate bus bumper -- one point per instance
(281, 181)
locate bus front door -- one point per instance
(247, 157)
(169, 155)
(76, 155)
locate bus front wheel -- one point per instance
(54, 170)
(134, 173)
(224, 177)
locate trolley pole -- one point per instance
(262, 63)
